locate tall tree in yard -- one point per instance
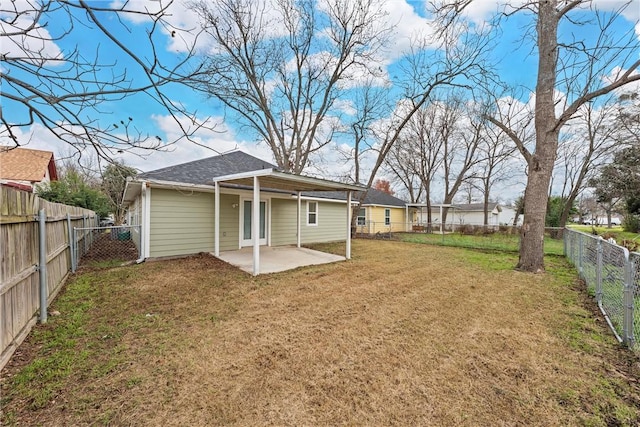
(580, 70)
(114, 180)
(282, 65)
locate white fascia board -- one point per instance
(243, 175)
(329, 185)
(320, 199)
(179, 185)
(339, 186)
(384, 206)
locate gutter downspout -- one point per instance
(144, 223)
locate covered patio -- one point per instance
(274, 259)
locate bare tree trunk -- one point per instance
(541, 162)
(486, 208)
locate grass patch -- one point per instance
(58, 355)
(493, 241)
(403, 333)
(616, 231)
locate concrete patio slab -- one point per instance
(274, 259)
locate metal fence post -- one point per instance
(627, 330)
(42, 267)
(74, 253)
(84, 237)
(580, 247)
(599, 270)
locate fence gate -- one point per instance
(106, 246)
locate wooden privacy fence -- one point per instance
(24, 261)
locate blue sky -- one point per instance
(515, 61)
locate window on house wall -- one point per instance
(312, 213)
(387, 217)
(362, 216)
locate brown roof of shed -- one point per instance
(25, 164)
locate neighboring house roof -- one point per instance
(377, 197)
(205, 170)
(372, 198)
(24, 164)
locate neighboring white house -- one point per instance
(508, 215)
(470, 213)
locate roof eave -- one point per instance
(289, 181)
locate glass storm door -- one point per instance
(247, 216)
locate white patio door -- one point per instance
(247, 216)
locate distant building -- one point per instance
(23, 168)
(470, 213)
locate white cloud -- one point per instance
(345, 106)
(27, 41)
(631, 10)
(184, 27)
(481, 10)
(616, 73)
(206, 143)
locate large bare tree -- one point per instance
(281, 65)
(581, 69)
(49, 80)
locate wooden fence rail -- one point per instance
(19, 259)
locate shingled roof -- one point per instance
(205, 170)
(25, 164)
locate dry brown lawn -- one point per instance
(403, 334)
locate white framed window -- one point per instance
(387, 216)
(312, 213)
(362, 216)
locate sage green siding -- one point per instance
(332, 223)
(181, 222)
(284, 222)
(229, 222)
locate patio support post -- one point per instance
(406, 218)
(299, 217)
(441, 225)
(348, 250)
(216, 248)
(146, 221)
(255, 226)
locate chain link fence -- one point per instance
(634, 271)
(612, 275)
(473, 236)
(106, 246)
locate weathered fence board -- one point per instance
(19, 258)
